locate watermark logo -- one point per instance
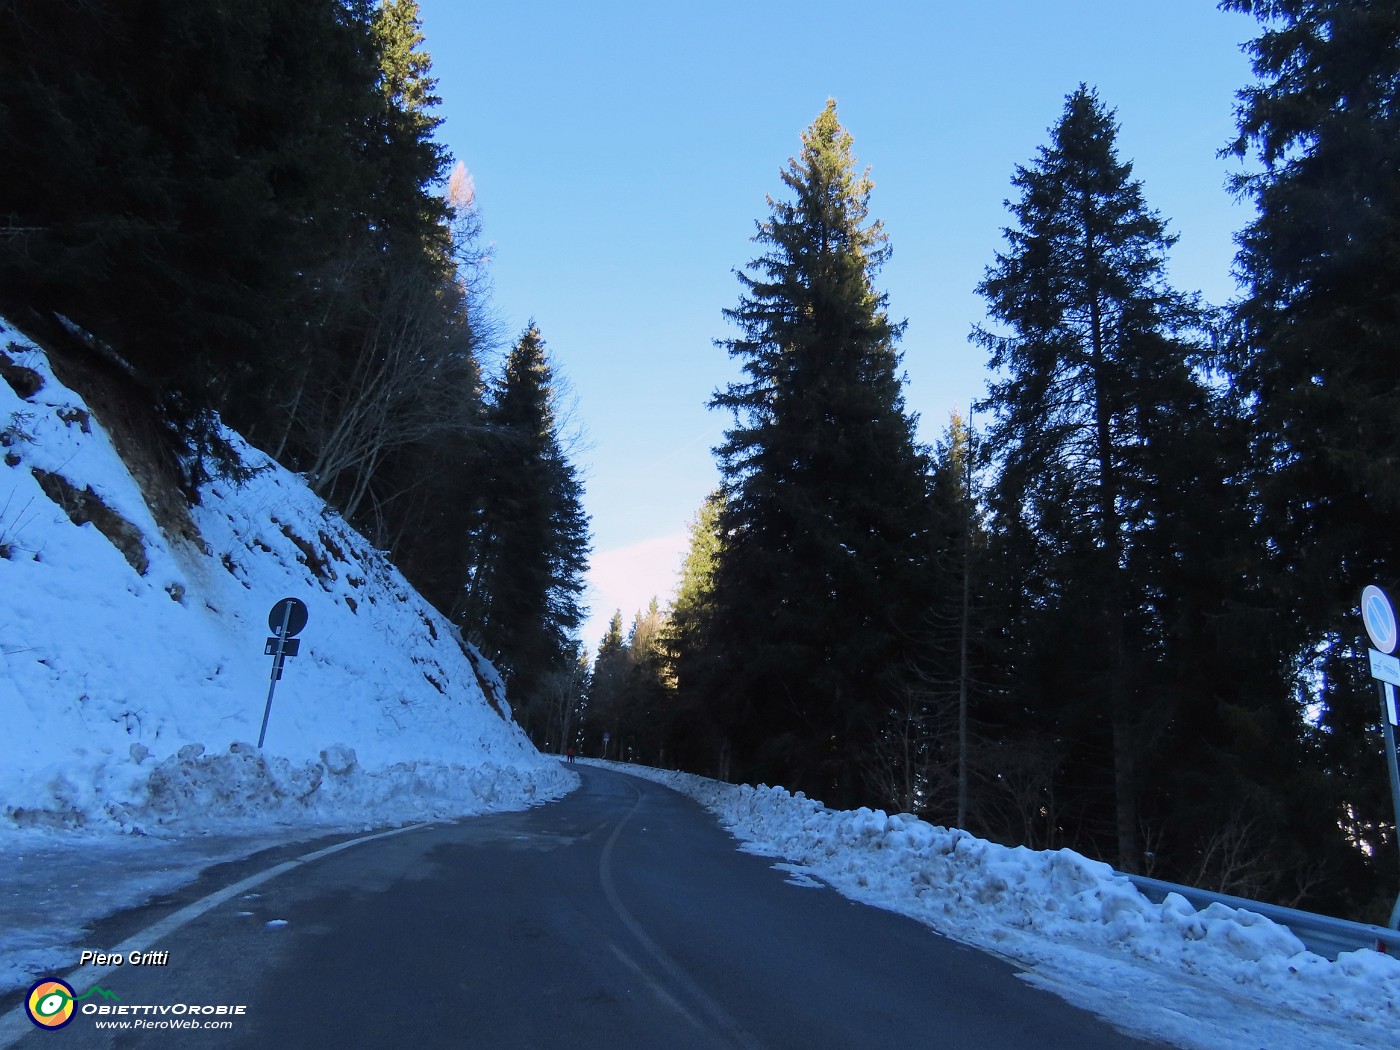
(50, 1002)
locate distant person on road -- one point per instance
(569, 751)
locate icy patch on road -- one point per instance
(799, 876)
(194, 811)
(56, 884)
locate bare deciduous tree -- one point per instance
(912, 761)
(1017, 801)
(408, 382)
(1234, 859)
(561, 696)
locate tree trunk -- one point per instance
(964, 629)
(1111, 541)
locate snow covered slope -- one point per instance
(132, 673)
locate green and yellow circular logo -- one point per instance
(50, 1003)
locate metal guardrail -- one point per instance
(1322, 934)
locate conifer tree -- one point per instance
(1320, 322)
(229, 173)
(530, 550)
(651, 705)
(607, 688)
(694, 740)
(401, 147)
(264, 221)
(696, 584)
(693, 605)
(1096, 356)
(824, 524)
(960, 540)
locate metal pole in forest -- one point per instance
(1387, 691)
(1379, 618)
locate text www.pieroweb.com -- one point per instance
(185, 1016)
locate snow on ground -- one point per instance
(1219, 979)
(133, 681)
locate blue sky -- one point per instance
(622, 153)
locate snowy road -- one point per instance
(620, 916)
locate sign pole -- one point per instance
(276, 669)
(1387, 692)
(1381, 627)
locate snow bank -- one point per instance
(1216, 978)
(132, 666)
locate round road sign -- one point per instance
(1379, 618)
(296, 620)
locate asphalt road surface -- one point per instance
(621, 916)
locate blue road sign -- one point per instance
(1379, 618)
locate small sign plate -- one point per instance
(1385, 668)
(290, 646)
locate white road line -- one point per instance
(16, 1024)
(720, 1017)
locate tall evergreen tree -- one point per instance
(919, 759)
(1097, 364)
(824, 523)
(960, 540)
(389, 373)
(1320, 321)
(174, 174)
(694, 741)
(691, 611)
(530, 550)
(240, 204)
(607, 690)
(401, 147)
(651, 706)
(631, 698)
(260, 229)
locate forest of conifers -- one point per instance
(1119, 615)
(239, 212)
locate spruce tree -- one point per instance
(651, 688)
(530, 548)
(606, 690)
(695, 742)
(958, 623)
(261, 221)
(1096, 364)
(175, 174)
(390, 423)
(400, 143)
(1320, 321)
(824, 522)
(693, 605)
